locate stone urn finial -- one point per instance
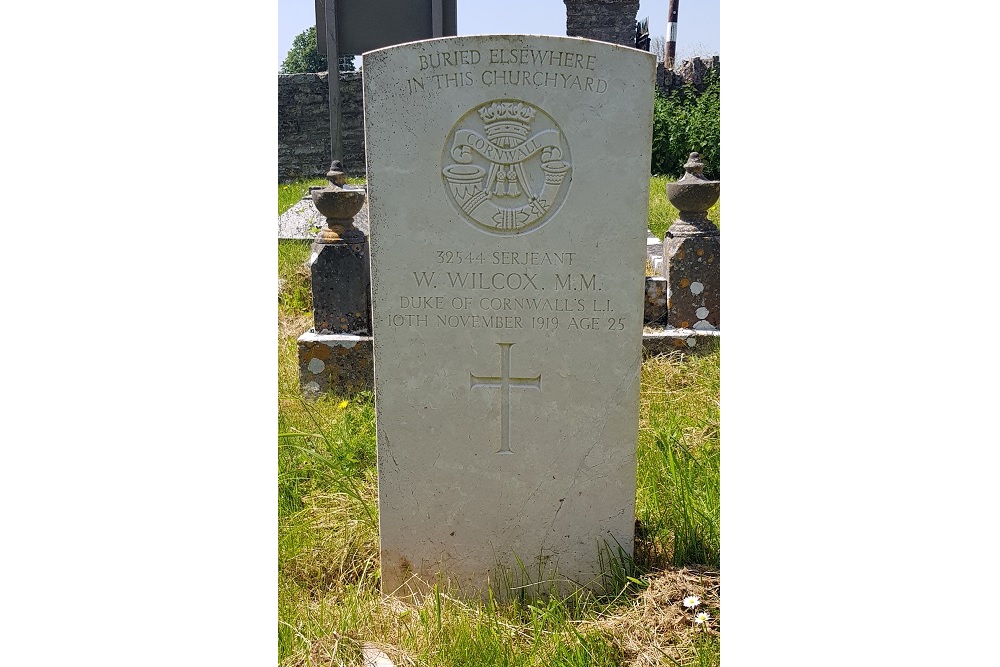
(692, 195)
(339, 205)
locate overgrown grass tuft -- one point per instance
(677, 501)
(294, 291)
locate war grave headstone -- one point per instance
(508, 183)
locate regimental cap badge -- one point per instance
(506, 166)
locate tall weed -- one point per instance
(685, 122)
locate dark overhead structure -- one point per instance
(351, 27)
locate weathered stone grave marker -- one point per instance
(508, 178)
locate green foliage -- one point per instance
(686, 122)
(304, 57)
(587, 651)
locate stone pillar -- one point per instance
(691, 252)
(605, 20)
(336, 354)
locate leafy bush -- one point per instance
(304, 57)
(686, 122)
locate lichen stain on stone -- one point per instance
(320, 352)
(684, 282)
(680, 254)
(699, 252)
(684, 324)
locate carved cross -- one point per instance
(504, 383)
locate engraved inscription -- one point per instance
(506, 167)
(533, 290)
(504, 383)
(528, 67)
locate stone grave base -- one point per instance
(341, 363)
(689, 341)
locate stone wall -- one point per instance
(606, 20)
(691, 71)
(304, 125)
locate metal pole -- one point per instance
(671, 49)
(321, 26)
(333, 78)
(437, 18)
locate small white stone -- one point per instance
(372, 656)
(316, 366)
(311, 387)
(691, 341)
(701, 313)
(702, 325)
(697, 288)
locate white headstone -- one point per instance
(508, 181)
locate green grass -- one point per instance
(328, 567)
(677, 501)
(294, 294)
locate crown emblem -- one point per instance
(507, 123)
